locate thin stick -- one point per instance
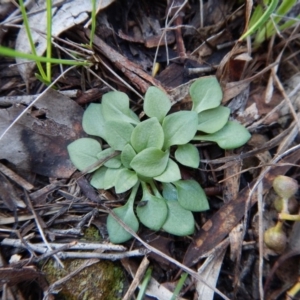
(16, 178)
(37, 221)
(260, 238)
(137, 279)
(40, 247)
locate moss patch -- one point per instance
(103, 280)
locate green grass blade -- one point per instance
(93, 28)
(27, 28)
(289, 23)
(256, 15)
(13, 53)
(144, 284)
(281, 12)
(262, 20)
(49, 38)
(179, 286)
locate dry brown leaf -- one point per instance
(39, 144)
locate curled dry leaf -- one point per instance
(39, 144)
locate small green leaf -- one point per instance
(179, 221)
(154, 213)
(212, 120)
(127, 155)
(171, 173)
(97, 180)
(110, 178)
(206, 93)
(93, 120)
(150, 162)
(126, 179)
(117, 234)
(146, 134)
(179, 128)
(191, 196)
(188, 155)
(231, 136)
(118, 134)
(156, 103)
(83, 153)
(169, 191)
(115, 107)
(114, 162)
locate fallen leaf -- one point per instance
(39, 144)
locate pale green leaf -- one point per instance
(146, 134)
(127, 155)
(97, 180)
(156, 103)
(126, 179)
(188, 155)
(152, 212)
(150, 162)
(114, 162)
(93, 120)
(117, 234)
(118, 134)
(171, 173)
(206, 93)
(179, 128)
(179, 221)
(212, 120)
(169, 191)
(115, 107)
(191, 196)
(110, 178)
(83, 153)
(231, 136)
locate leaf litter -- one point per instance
(126, 49)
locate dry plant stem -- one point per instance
(287, 99)
(108, 256)
(278, 107)
(163, 35)
(158, 252)
(37, 221)
(16, 178)
(137, 278)
(201, 14)
(252, 168)
(34, 260)
(53, 287)
(40, 247)
(35, 100)
(131, 70)
(268, 145)
(120, 78)
(10, 220)
(260, 238)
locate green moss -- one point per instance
(103, 280)
(92, 234)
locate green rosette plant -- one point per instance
(149, 153)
